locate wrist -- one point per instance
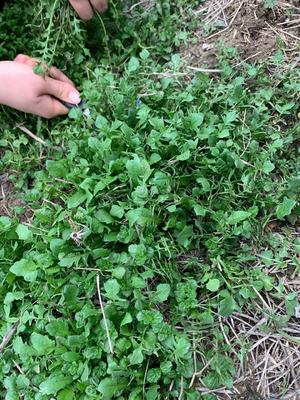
(4, 81)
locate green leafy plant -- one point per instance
(162, 195)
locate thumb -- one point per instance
(61, 90)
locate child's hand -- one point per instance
(26, 91)
(84, 8)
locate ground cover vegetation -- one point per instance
(136, 242)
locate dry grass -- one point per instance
(264, 341)
(255, 30)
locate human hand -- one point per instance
(85, 8)
(22, 89)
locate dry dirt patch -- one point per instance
(255, 30)
(9, 200)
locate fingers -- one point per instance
(83, 9)
(53, 72)
(23, 59)
(100, 5)
(50, 107)
(61, 90)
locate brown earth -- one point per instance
(9, 200)
(249, 26)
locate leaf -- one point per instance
(176, 60)
(112, 289)
(285, 208)
(110, 387)
(136, 357)
(195, 120)
(152, 393)
(291, 304)
(56, 168)
(25, 268)
(23, 232)
(184, 156)
(199, 210)
(227, 306)
(268, 167)
(144, 54)
(42, 344)
(184, 236)
(66, 394)
(57, 328)
(213, 285)
(182, 347)
(138, 169)
(117, 211)
(133, 64)
(140, 216)
(77, 198)
(101, 122)
(54, 383)
(5, 224)
(230, 117)
(204, 183)
(126, 320)
(238, 216)
(104, 217)
(162, 292)
(119, 272)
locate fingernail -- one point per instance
(74, 97)
(20, 57)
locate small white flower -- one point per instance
(77, 236)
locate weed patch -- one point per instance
(157, 218)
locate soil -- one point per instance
(9, 200)
(254, 30)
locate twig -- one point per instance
(103, 314)
(292, 395)
(180, 397)
(230, 23)
(7, 337)
(204, 69)
(29, 133)
(248, 58)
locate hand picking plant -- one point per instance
(144, 216)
